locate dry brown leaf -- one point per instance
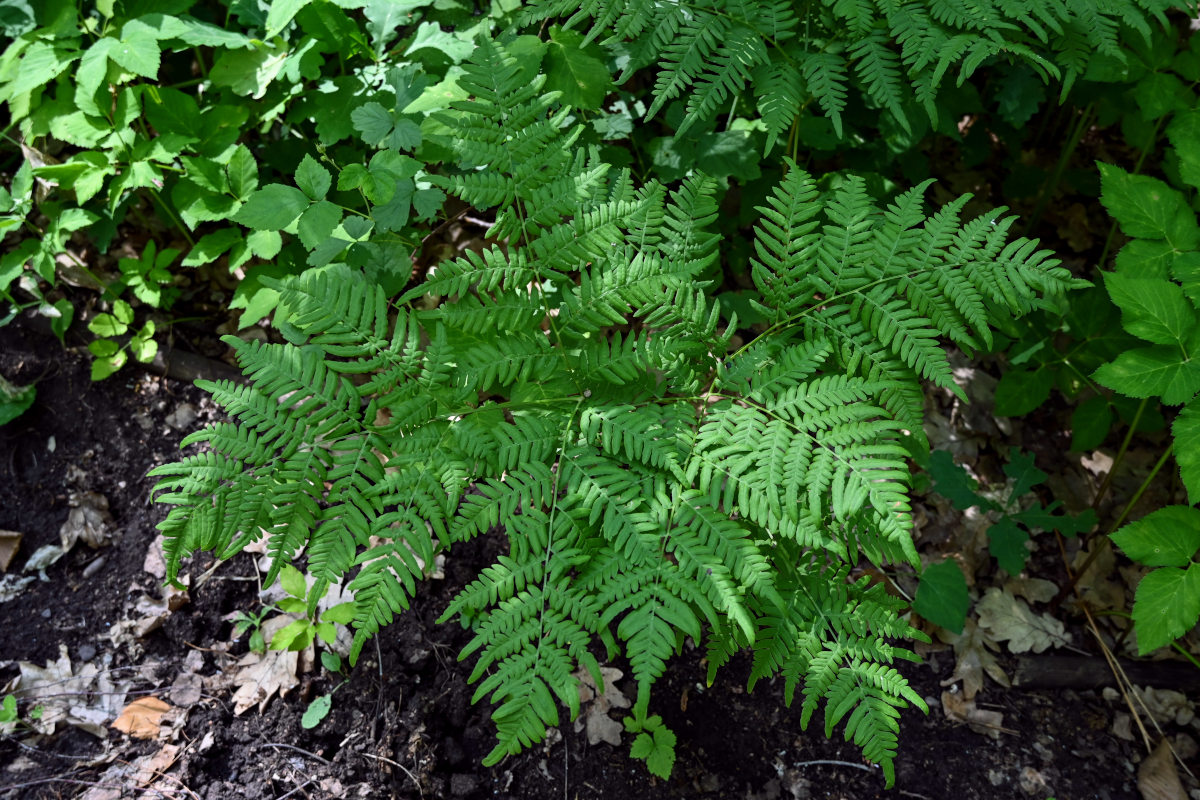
(259, 677)
(958, 708)
(9, 542)
(600, 726)
(1158, 778)
(974, 659)
(1008, 619)
(88, 521)
(140, 718)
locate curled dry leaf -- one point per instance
(88, 521)
(1158, 777)
(974, 659)
(958, 708)
(600, 726)
(140, 718)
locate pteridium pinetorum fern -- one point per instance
(574, 387)
(894, 53)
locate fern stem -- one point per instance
(1119, 457)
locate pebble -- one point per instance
(45, 613)
(87, 652)
(182, 417)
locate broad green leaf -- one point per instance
(273, 207)
(1158, 371)
(265, 244)
(1186, 269)
(292, 581)
(1152, 308)
(942, 596)
(295, 636)
(121, 309)
(281, 13)
(1023, 473)
(331, 661)
(1146, 258)
(384, 17)
(144, 350)
(206, 173)
(1147, 208)
(60, 323)
(576, 70)
(249, 72)
(1186, 431)
(40, 64)
(137, 51)
(373, 122)
(317, 710)
(342, 613)
(14, 400)
(107, 325)
(1168, 537)
(1160, 93)
(242, 172)
(102, 348)
(317, 223)
(405, 136)
(1166, 606)
(1021, 391)
(1006, 543)
(211, 246)
(430, 35)
(952, 481)
(104, 367)
(91, 74)
(1090, 423)
(1184, 134)
(312, 178)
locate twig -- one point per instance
(76, 782)
(299, 750)
(399, 766)
(832, 763)
(304, 785)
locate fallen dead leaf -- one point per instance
(958, 708)
(154, 563)
(1008, 619)
(600, 726)
(88, 521)
(259, 677)
(58, 689)
(11, 586)
(974, 659)
(1158, 778)
(140, 718)
(1035, 590)
(9, 542)
(1031, 781)
(139, 773)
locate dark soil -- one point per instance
(404, 725)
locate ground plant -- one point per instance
(680, 370)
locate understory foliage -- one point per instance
(574, 387)
(891, 52)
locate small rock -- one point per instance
(87, 652)
(461, 785)
(45, 613)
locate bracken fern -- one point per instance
(573, 386)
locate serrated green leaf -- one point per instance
(1006, 543)
(1186, 269)
(1153, 309)
(40, 64)
(1168, 537)
(1186, 430)
(952, 481)
(430, 35)
(292, 581)
(1166, 606)
(137, 51)
(576, 70)
(1090, 423)
(942, 596)
(1160, 93)
(1024, 474)
(249, 72)
(1157, 371)
(272, 208)
(103, 348)
(405, 136)
(265, 244)
(1021, 391)
(242, 172)
(280, 14)
(317, 223)
(144, 350)
(312, 178)
(1147, 208)
(296, 635)
(211, 246)
(121, 309)
(373, 123)
(342, 613)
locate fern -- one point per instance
(886, 51)
(575, 388)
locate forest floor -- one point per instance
(147, 692)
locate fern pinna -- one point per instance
(574, 387)
(891, 52)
